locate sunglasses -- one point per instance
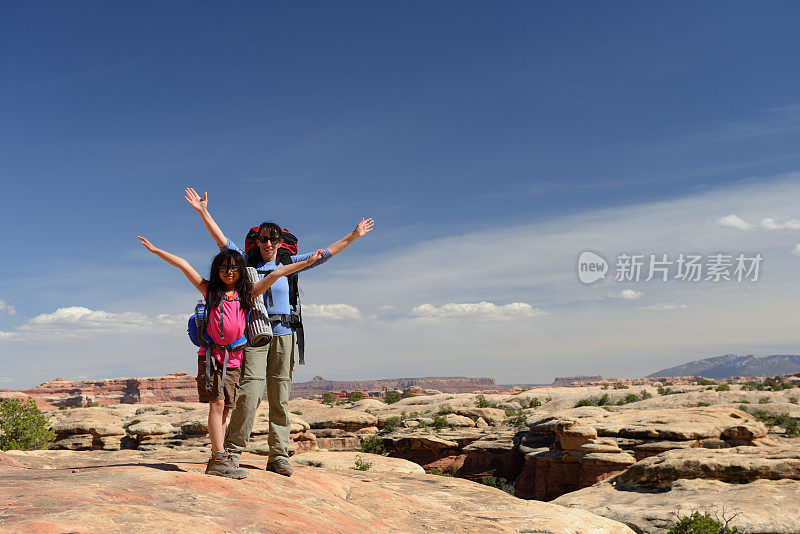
(272, 239)
(229, 269)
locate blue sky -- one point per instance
(475, 133)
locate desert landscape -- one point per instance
(612, 457)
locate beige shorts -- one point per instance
(217, 392)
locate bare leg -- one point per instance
(216, 425)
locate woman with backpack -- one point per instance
(228, 293)
(273, 363)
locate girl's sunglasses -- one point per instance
(272, 239)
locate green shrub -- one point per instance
(391, 423)
(548, 399)
(752, 385)
(355, 396)
(789, 423)
(534, 402)
(298, 412)
(62, 407)
(644, 394)
(620, 385)
(698, 523)
(584, 402)
(481, 402)
(793, 400)
(723, 387)
(373, 445)
(630, 397)
(517, 417)
(165, 412)
(392, 397)
(668, 384)
(23, 427)
(448, 473)
(699, 404)
(764, 400)
(664, 391)
(705, 382)
(604, 400)
(499, 483)
(92, 404)
(328, 397)
(439, 421)
(445, 409)
(362, 464)
(604, 386)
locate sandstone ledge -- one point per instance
(165, 491)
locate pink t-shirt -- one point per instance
(235, 324)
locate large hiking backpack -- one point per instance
(287, 249)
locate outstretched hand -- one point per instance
(317, 255)
(147, 244)
(194, 200)
(363, 227)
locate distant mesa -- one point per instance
(732, 365)
(181, 387)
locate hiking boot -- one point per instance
(233, 459)
(280, 466)
(220, 465)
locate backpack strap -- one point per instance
(294, 318)
(227, 349)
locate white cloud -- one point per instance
(796, 250)
(478, 310)
(665, 307)
(8, 308)
(78, 321)
(772, 224)
(331, 311)
(734, 221)
(388, 307)
(628, 294)
(5, 379)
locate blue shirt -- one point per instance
(276, 298)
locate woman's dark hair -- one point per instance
(254, 258)
(215, 290)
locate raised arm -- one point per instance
(176, 261)
(200, 205)
(265, 283)
(363, 227)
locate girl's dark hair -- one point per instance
(254, 258)
(215, 290)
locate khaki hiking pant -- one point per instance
(275, 362)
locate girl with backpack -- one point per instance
(272, 365)
(229, 297)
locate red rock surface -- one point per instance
(135, 491)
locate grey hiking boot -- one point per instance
(280, 466)
(220, 465)
(233, 459)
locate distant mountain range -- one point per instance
(735, 365)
